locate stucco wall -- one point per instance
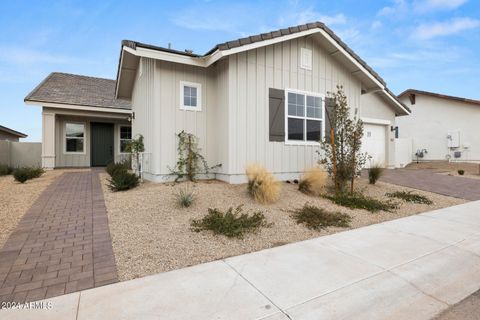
(432, 118)
(8, 136)
(21, 154)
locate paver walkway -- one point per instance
(411, 268)
(430, 180)
(61, 245)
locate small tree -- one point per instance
(135, 147)
(342, 156)
(190, 162)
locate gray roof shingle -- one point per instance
(74, 89)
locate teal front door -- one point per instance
(101, 144)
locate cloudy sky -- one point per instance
(431, 45)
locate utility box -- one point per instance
(453, 139)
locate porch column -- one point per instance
(48, 140)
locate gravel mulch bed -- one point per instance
(151, 234)
(17, 198)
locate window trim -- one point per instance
(322, 133)
(199, 96)
(65, 137)
(120, 137)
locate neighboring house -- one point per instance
(257, 99)
(10, 134)
(445, 126)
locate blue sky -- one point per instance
(425, 44)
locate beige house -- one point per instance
(257, 99)
(10, 134)
(441, 127)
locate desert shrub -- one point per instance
(119, 167)
(5, 170)
(23, 174)
(318, 218)
(374, 173)
(185, 197)
(313, 181)
(360, 201)
(461, 172)
(231, 223)
(123, 180)
(262, 185)
(410, 197)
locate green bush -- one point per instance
(318, 218)
(123, 180)
(461, 172)
(410, 197)
(23, 174)
(374, 173)
(185, 197)
(119, 167)
(5, 170)
(230, 224)
(360, 201)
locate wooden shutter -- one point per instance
(276, 100)
(329, 109)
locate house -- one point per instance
(441, 127)
(10, 134)
(256, 99)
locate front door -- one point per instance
(101, 143)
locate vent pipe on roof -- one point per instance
(169, 45)
(188, 51)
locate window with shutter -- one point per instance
(304, 119)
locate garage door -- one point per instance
(374, 143)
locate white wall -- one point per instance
(403, 152)
(20, 154)
(432, 118)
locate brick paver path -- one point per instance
(429, 180)
(61, 245)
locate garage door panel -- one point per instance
(374, 144)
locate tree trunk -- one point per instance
(353, 163)
(334, 162)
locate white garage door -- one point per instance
(374, 143)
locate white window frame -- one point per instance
(199, 96)
(120, 137)
(65, 137)
(322, 133)
(307, 65)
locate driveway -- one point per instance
(61, 245)
(430, 180)
(411, 268)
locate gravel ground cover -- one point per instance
(152, 234)
(17, 198)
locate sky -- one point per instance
(431, 45)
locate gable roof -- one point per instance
(231, 47)
(13, 132)
(438, 95)
(72, 89)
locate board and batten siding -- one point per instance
(251, 74)
(159, 118)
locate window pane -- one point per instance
(313, 130)
(300, 100)
(292, 98)
(300, 111)
(193, 92)
(310, 112)
(74, 130)
(193, 102)
(295, 129)
(186, 91)
(186, 101)
(310, 101)
(125, 132)
(74, 145)
(292, 110)
(123, 145)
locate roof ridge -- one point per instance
(439, 95)
(80, 75)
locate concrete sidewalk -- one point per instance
(411, 268)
